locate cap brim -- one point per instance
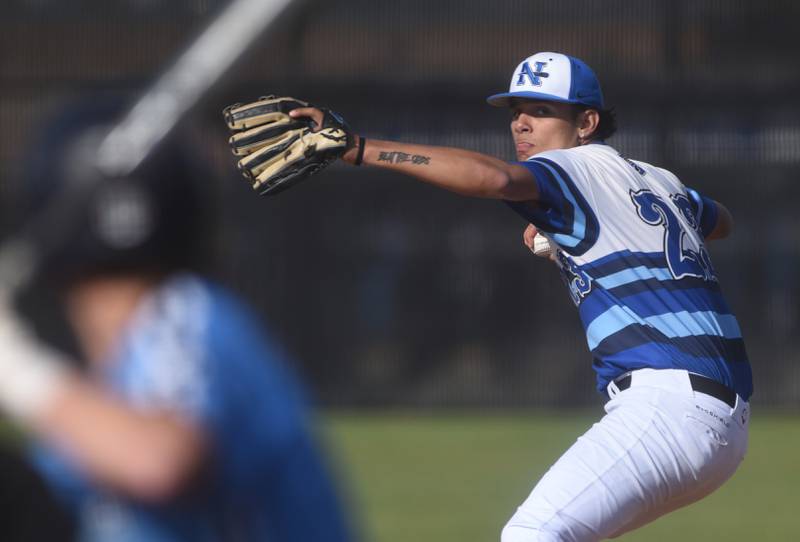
(504, 99)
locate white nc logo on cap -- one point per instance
(533, 74)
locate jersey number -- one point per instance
(683, 261)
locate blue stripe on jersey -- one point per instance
(670, 355)
(686, 283)
(564, 212)
(552, 213)
(626, 273)
(654, 302)
(586, 227)
(624, 259)
(578, 229)
(677, 324)
(707, 346)
(626, 276)
(638, 315)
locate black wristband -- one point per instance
(362, 142)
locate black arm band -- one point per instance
(362, 142)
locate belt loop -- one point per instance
(744, 415)
(612, 389)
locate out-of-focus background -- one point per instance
(393, 296)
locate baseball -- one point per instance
(541, 246)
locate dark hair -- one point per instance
(607, 126)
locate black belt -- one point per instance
(699, 383)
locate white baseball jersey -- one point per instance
(630, 239)
(630, 248)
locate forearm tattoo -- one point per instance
(397, 157)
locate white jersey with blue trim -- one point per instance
(631, 251)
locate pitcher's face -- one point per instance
(539, 126)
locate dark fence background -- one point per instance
(391, 293)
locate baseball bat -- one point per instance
(178, 89)
(131, 140)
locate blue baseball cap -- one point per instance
(553, 77)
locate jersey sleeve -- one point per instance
(705, 211)
(562, 209)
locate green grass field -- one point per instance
(458, 477)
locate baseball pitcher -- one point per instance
(629, 239)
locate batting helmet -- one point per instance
(152, 220)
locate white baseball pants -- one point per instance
(659, 447)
